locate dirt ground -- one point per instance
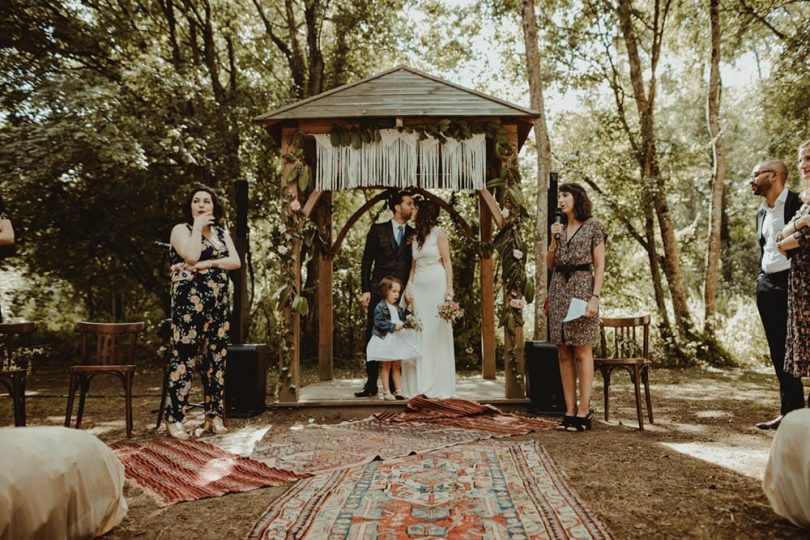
(695, 473)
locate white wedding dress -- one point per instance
(434, 374)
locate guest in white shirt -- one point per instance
(778, 207)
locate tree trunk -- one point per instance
(535, 74)
(655, 272)
(648, 160)
(718, 177)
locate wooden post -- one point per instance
(515, 386)
(324, 223)
(487, 293)
(239, 315)
(288, 391)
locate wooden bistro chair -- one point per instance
(105, 348)
(619, 347)
(12, 375)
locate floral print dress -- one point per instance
(565, 285)
(797, 350)
(200, 310)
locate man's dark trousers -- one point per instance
(772, 299)
(373, 367)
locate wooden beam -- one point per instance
(289, 390)
(325, 338)
(314, 197)
(487, 293)
(492, 206)
(515, 386)
(353, 219)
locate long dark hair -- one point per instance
(427, 217)
(583, 209)
(219, 210)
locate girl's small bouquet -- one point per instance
(450, 311)
(412, 323)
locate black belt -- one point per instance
(777, 277)
(567, 269)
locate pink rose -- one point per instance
(517, 254)
(295, 206)
(505, 213)
(517, 303)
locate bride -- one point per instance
(430, 284)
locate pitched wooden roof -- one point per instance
(399, 92)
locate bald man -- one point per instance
(768, 181)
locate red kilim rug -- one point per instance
(483, 490)
(173, 471)
(465, 414)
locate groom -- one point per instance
(387, 253)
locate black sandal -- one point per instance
(567, 422)
(582, 423)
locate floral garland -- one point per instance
(294, 232)
(512, 249)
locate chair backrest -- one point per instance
(624, 337)
(108, 343)
(12, 337)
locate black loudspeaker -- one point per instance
(544, 385)
(245, 380)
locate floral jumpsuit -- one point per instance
(200, 309)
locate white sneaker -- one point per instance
(214, 425)
(176, 430)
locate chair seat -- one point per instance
(620, 361)
(100, 369)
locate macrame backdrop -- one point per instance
(401, 160)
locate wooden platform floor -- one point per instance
(340, 394)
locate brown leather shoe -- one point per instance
(771, 424)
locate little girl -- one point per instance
(390, 342)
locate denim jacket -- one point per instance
(382, 319)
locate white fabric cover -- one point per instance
(787, 475)
(57, 482)
(401, 160)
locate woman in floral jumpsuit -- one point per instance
(202, 252)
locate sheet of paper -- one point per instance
(576, 310)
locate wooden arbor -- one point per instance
(401, 97)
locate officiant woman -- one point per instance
(577, 257)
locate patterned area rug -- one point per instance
(425, 425)
(481, 490)
(172, 471)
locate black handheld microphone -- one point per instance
(558, 217)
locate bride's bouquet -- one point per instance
(412, 323)
(450, 311)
